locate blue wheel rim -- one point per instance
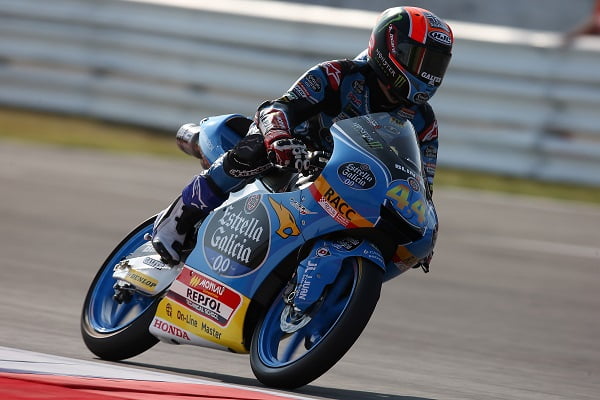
(104, 314)
(278, 349)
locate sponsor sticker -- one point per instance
(421, 97)
(354, 99)
(313, 83)
(435, 22)
(251, 203)
(406, 113)
(356, 175)
(205, 296)
(347, 243)
(236, 240)
(382, 61)
(302, 92)
(139, 279)
(300, 207)
(358, 86)
(430, 152)
(303, 287)
(323, 252)
(287, 223)
(154, 263)
(414, 184)
(335, 205)
(170, 329)
(441, 37)
(433, 79)
(367, 136)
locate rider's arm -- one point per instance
(314, 92)
(428, 142)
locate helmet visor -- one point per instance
(425, 63)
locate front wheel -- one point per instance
(112, 330)
(284, 356)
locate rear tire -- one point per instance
(354, 295)
(114, 331)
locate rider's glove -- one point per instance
(290, 153)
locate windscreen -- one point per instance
(392, 140)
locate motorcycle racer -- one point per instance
(402, 68)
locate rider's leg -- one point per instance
(174, 228)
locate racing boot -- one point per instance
(174, 232)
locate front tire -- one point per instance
(114, 331)
(290, 360)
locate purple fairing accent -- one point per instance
(199, 193)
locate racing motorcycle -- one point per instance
(288, 270)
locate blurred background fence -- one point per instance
(514, 101)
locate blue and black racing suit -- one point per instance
(329, 92)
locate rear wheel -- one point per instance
(113, 330)
(290, 350)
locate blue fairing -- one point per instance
(322, 266)
(216, 137)
(248, 238)
(376, 161)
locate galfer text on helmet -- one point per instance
(432, 78)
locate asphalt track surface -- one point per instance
(511, 309)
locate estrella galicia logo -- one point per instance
(236, 239)
(356, 175)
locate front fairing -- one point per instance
(376, 162)
(374, 158)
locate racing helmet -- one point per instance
(409, 50)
